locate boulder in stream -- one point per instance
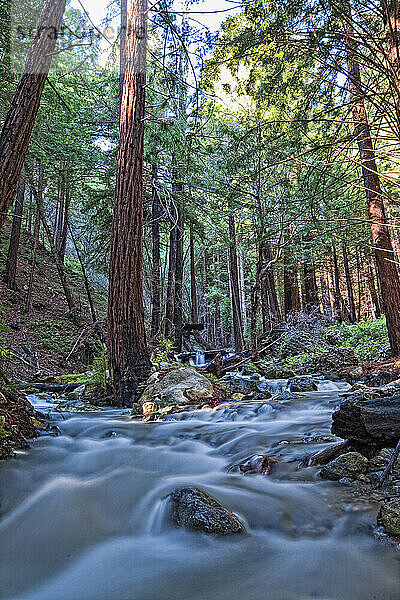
(389, 516)
(256, 465)
(179, 386)
(194, 509)
(349, 465)
(302, 384)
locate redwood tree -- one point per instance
(128, 354)
(386, 267)
(21, 116)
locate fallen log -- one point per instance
(56, 387)
(371, 422)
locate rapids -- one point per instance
(84, 514)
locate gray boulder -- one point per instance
(194, 509)
(180, 386)
(348, 465)
(241, 385)
(389, 516)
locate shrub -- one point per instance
(368, 339)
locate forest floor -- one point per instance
(40, 342)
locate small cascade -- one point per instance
(199, 360)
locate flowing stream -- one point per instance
(84, 514)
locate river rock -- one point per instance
(248, 370)
(249, 386)
(389, 516)
(302, 384)
(257, 465)
(194, 509)
(381, 460)
(348, 465)
(180, 386)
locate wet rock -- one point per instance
(247, 386)
(76, 406)
(381, 460)
(374, 477)
(302, 384)
(248, 369)
(194, 509)
(180, 386)
(256, 465)
(389, 516)
(77, 393)
(381, 378)
(348, 465)
(284, 397)
(356, 373)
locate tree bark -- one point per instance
(21, 116)
(235, 295)
(156, 259)
(12, 254)
(127, 345)
(387, 269)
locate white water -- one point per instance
(84, 515)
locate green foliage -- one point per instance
(297, 362)
(99, 375)
(4, 348)
(368, 339)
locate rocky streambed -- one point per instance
(115, 507)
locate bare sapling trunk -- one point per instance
(127, 344)
(234, 285)
(12, 254)
(21, 116)
(349, 285)
(193, 288)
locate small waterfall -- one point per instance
(199, 360)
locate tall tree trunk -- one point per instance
(21, 116)
(85, 279)
(391, 18)
(169, 331)
(36, 230)
(122, 41)
(339, 304)
(63, 210)
(349, 284)
(290, 286)
(235, 295)
(12, 254)
(178, 300)
(156, 259)
(127, 345)
(311, 300)
(387, 269)
(193, 289)
(375, 304)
